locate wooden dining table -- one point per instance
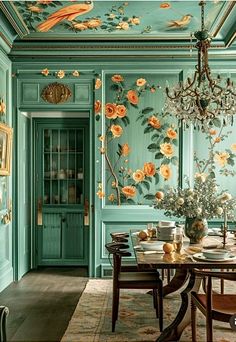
(183, 263)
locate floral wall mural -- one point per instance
(139, 146)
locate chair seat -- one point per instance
(223, 303)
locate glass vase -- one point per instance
(196, 229)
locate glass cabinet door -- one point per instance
(63, 165)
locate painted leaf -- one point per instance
(147, 110)
(149, 196)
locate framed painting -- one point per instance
(5, 149)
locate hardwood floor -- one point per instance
(42, 303)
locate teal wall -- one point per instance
(109, 217)
(6, 232)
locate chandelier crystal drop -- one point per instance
(202, 100)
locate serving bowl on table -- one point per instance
(216, 253)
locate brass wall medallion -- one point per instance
(56, 93)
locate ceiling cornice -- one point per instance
(14, 18)
(224, 17)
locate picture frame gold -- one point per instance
(6, 134)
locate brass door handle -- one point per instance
(39, 213)
(86, 212)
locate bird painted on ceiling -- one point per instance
(65, 13)
(184, 21)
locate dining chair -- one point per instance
(4, 311)
(133, 280)
(214, 306)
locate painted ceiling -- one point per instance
(173, 20)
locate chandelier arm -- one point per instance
(193, 81)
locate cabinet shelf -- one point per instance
(63, 169)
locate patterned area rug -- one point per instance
(91, 320)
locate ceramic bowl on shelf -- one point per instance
(215, 253)
(151, 245)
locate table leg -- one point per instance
(173, 332)
(179, 279)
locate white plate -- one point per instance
(201, 257)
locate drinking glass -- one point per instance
(151, 231)
(178, 239)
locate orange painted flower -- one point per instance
(222, 158)
(123, 25)
(2, 107)
(132, 97)
(134, 21)
(35, 9)
(140, 82)
(125, 150)
(165, 5)
(76, 73)
(167, 150)
(154, 122)
(121, 111)
(45, 72)
(159, 195)
(80, 26)
(233, 147)
(212, 131)
(129, 191)
(116, 130)
(138, 176)
(111, 197)
(98, 83)
(100, 194)
(117, 78)
(93, 23)
(97, 106)
(110, 111)
(60, 74)
(149, 169)
(165, 171)
(217, 140)
(171, 133)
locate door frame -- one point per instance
(39, 113)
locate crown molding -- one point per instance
(14, 18)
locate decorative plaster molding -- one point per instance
(56, 93)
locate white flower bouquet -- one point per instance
(202, 201)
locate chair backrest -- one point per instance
(227, 275)
(119, 237)
(118, 250)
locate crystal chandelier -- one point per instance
(202, 100)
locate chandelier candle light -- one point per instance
(202, 100)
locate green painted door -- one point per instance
(61, 190)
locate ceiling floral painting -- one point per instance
(157, 18)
